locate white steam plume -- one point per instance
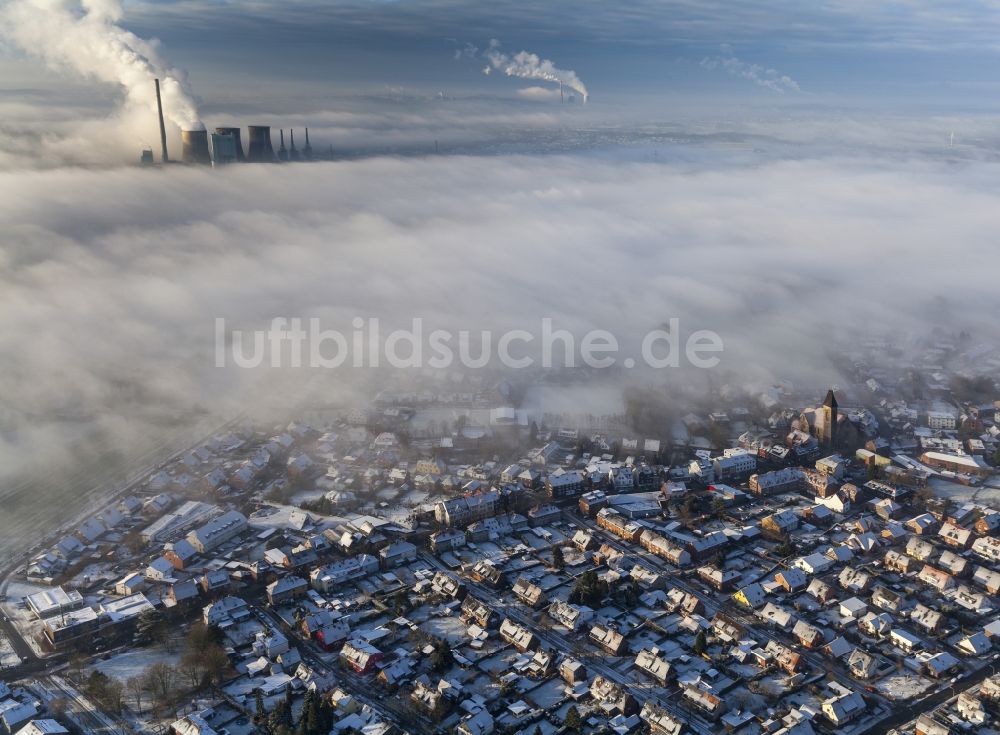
(527, 65)
(84, 36)
(762, 76)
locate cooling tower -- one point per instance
(235, 132)
(259, 148)
(194, 147)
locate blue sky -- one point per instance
(842, 50)
(938, 56)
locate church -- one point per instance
(831, 428)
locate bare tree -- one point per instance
(160, 681)
(191, 666)
(216, 662)
(136, 687)
(114, 696)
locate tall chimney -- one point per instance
(307, 151)
(282, 151)
(235, 132)
(259, 148)
(163, 130)
(194, 147)
(293, 154)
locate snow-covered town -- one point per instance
(447, 562)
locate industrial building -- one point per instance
(225, 145)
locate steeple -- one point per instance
(831, 399)
(830, 418)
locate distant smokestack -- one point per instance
(235, 132)
(307, 151)
(293, 154)
(282, 151)
(259, 148)
(194, 147)
(163, 130)
(562, 97)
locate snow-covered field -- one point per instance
(904, 686)
(987, 493)
(7, 655)
(132, 663)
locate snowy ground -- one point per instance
(451, 629)
(904, 686)
(132, 663)
(7, 655)
(958, 492)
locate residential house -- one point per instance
(709, 705)
(791, 580)
(894, 561)
(528, 592)
(928, 619)
(808, 635)
(843, 708)
(286, 589)
(936, 578)
(609, 639)
(659, 720)
(655, 665)
(518, 636)
(360, 656)
(955, 536)
(862, 664)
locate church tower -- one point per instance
(829, 437)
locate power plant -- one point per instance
(238, 144)
(224, 148)
(259, 148)
(194, 147)
(227, 145)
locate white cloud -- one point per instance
(762, 76)
(110, 280)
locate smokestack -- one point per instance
(235, 132)
(282, 151)
(163, 130)
(307, 151)
(293, 155)
(194, 147)
(562, 98)
(259, 148)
